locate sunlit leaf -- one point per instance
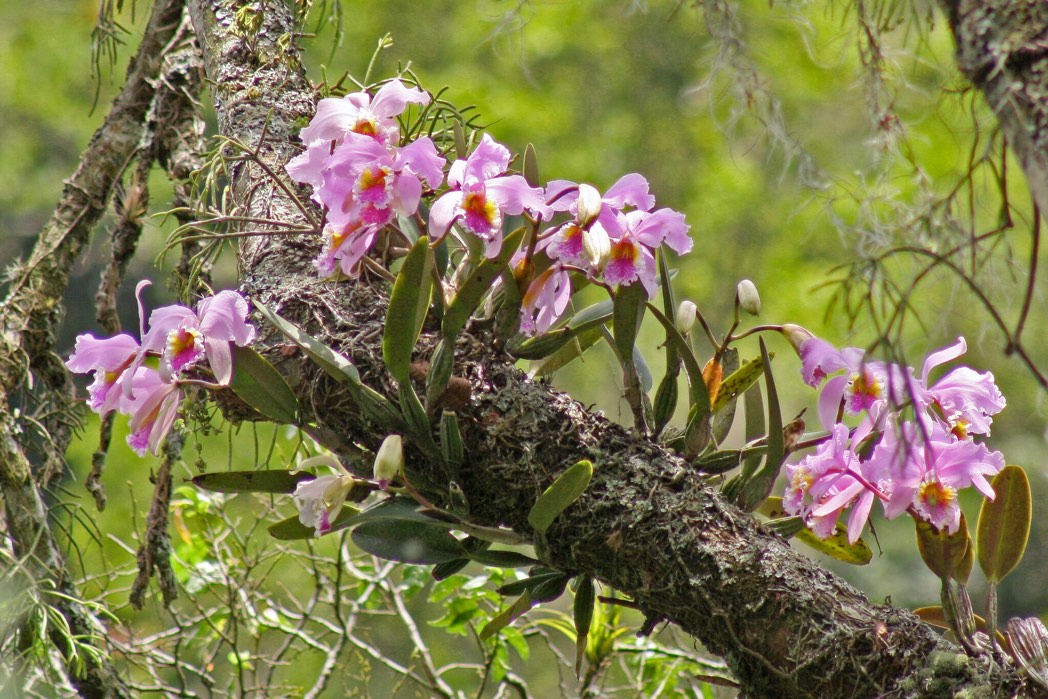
(262, 387)
(559, 496)
(1004, 523)
(738, 381)
(836, 546)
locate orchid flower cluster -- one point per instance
(181, 339)
(915, 465)
(363, 178)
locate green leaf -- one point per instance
(408, 542)
(398, 509)
(375, 405)
(942, 552)
(292, 529)
(585, 599)
(502, 559)
(441, 366)
(739, 381)
(568, 353)
(507, 616)
(559, 496)
(262, 387)
(754, 425)
(627, 314)
(727, 459)
(1004, 524)
(408, 304)
(417, 421)
(836, 546)
(268, 481)
(536, 579)
(541, 346)
(723, 407)
(699, 403)
(333, 363)
(752, 489)
(530, 168)
(451, 442)
(935, 616)
(472, 290)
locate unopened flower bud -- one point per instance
(796, 335)
(588, 205)
(389, 462)
(687, 313)
(747, 298)
(597, 246)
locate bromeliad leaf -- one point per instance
(559, 496)
(1004, 524)
(406, 541)
(262, 387)
(408, 304)
(268, 481)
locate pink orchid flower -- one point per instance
(108, 358)
(634, 236)
(358, 113)
(183, 337)
(153, 409)
(481, 195)
(366, 182)
(964, 399)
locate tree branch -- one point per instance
(28, 317)
(647, 525)
(1002, 48)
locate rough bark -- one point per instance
(28, 318)
(647, 525)
(1002, 48)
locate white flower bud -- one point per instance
(687, 313)
(747, 298)
(588, 205)
(389, 462)
(597, 246)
